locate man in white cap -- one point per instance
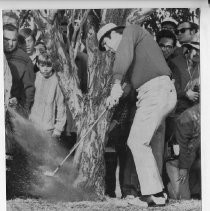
(169, 24)
(137, 52)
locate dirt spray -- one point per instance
(44, 154)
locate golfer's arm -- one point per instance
(124, 55)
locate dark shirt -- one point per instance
(188, 136)
(22, 77)
(182, 77)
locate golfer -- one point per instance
(137, 52)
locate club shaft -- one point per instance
(77, 144)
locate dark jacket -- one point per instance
(188, 136)
(22, 77)
(179, 68)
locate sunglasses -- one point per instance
(167, 47)
(183, 30)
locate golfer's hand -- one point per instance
(111, 102)
(116, 91)
(183, 173)
(193, 96)
(13, 102)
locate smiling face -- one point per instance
(10, 40)
(185, 32)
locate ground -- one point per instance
(108, 205)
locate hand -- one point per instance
(183, 174)
(116, 91)
(110, 102)
(193, 96)
(13, 102)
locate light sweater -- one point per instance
(48, 110)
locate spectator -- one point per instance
(185, 32)
(40, 47)
(185, 173)
(167, 42)
(32, 48)
(10, 17)
(186, 72)
(188, 136)
(21, 99)
(136, 51)
(48, 109)
(169, 24)
(187, 82)
(30, 40)
(21, 69)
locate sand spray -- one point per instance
(45, 154)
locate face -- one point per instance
(184, 32)
(111, 44)
(166, 45)
(10, 40)
(29, 45)
(194, 55)
(45, 68)
(41, 48)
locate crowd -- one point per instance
(155, 128)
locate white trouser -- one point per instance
(156, 98)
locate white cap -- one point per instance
(104, 30)
(195, 42)
(171, 20)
